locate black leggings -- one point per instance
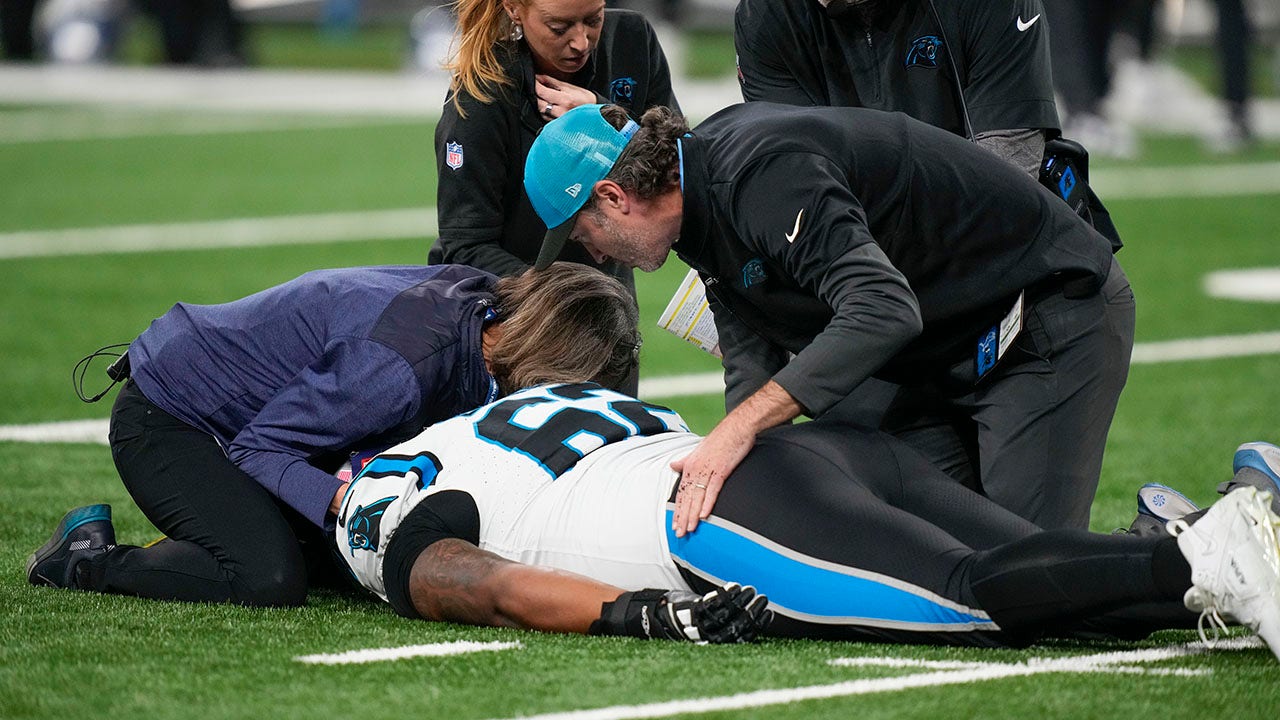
(227, 539)
(855, 536)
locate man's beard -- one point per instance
(638, 248)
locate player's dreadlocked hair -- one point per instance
(484, 28)
(650, 164)
(568, 323)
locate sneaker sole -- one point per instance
(69, 522)
(1255, 455)
(1174, 504)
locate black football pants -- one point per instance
(852, 535)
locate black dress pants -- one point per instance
(227, 539)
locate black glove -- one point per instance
(729, 614)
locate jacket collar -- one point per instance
(474, 376)
(696, 219)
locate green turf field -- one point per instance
(71, 655)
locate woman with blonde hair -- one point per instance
(518, 65)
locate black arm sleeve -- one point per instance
(1008, 85)
(660, 91)
(446, 514)
(830, 253)
(764, 73)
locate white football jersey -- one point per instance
(574, 477)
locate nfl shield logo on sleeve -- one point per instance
(453, 155)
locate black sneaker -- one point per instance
(83, 533)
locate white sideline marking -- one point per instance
(38, 126)
(682, 385)
(69, 431)
(1148, 183)
(353, 657)
(1252, 284)
(244, 232)
(962, 665)
(1101, 663)
(1207, 348)
(673, 386)
(906, 663)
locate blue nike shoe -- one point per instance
(83, 533)
(1256, 464)
(1157, 505)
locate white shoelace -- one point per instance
(1209, 615)
(1217, 626)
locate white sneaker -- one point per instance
(1234, 554)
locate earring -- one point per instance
(517, 31)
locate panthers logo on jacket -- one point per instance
(622, 91)
(924, 52)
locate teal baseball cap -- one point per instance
(570, 155)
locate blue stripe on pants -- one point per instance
(811, 589)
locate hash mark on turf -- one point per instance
(352, 657)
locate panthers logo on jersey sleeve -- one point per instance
(364, 523)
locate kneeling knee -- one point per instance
(279, 587)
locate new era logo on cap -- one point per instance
(574, 189)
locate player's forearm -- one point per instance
(455, 581)
(550, 600)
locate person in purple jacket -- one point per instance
(234, 416)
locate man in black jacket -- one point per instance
(839, 244)
(909, 56)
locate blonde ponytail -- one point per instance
(476, 69)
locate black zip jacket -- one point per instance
(865, 243)
(899, 59)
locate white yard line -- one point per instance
(675, 386)
(256, 91)
(70, 431)
(1187, 181)
(1248, 284)
(682, 385)
(1207, 348)
(34, 126)
(1115, 662)
(242, 232)
(353, 657)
